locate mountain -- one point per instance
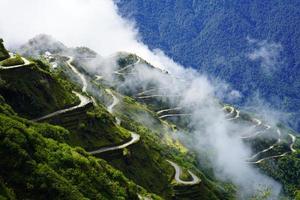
(253, 45)
(80, 126)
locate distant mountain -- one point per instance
(41, 44)
(254, 45)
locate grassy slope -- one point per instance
(43, 166)
(92, 128)
(148, 158)
(33, 91)
(16, 60)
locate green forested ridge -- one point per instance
(3, 52)
(33, 91)
(50, 158)
(217, 36)
(43, 167)
(16, 60)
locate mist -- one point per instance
(97, 25)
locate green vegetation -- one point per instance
(44, 167)
(50, 159)
(3, 52)
(33, 92)
(15, 60)
(285, 170)
(91, 128)
(216, 37)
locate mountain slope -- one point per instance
(43, 167)
(254, 45)
(121, 137)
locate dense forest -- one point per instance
(253, 45)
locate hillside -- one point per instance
(254, 45)
(98, 136)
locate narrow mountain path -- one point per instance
(255, 134)
(119, 72)
(231, 110)
(293, 142)
(174, 115)
(81, 76)
(114, 103)
(167, 110)
(178, 171)
(134, 137)
(83, 99)
(83, 102)
(26, 63)
(272, 146)
(236, 116)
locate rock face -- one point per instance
(3, 52)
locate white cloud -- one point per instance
(267, 53)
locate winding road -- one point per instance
(83, 102)
(26, 63)
(119, 72)
(231, 110)
(236, 116)
(166, 110)
(81, 76)
(272, 146)
(258, 123)
(134, 137)
(267, 127)
(83, 99)
(293, 142)
(174, 115)
(114, 103)
(178, 171)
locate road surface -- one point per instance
(166, 110)
(134, 139)
(81, 76)
(83, 102)
(26, 63)
(178, 171)
(174, 115)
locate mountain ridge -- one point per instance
(107, 123)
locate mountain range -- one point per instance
(253, 45)
(75, 125)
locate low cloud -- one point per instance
(265, 52)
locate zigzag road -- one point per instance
(83, 99)
(178, 171)
(26, 63)
(134, 137)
